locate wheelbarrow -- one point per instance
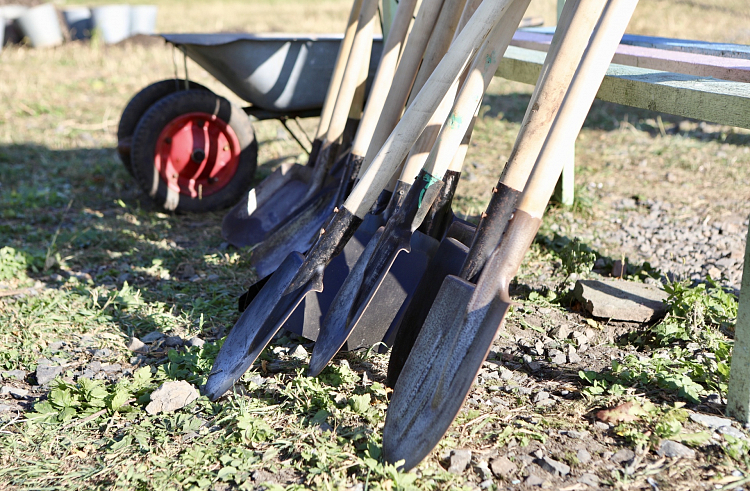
(192, 150)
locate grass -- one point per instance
(92, 263)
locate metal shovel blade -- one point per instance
(439, 372)
(266, 205)
(296, 234)
(239, 350)
(380, 322)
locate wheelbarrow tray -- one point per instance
(281, 73)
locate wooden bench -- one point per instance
(693, 79)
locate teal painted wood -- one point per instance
(725, 50)
(703, 98)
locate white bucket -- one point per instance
(143, 19)
(10, 30)
(41, 26)
(78, 20)
(112, 21)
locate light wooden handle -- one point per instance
(480, 74)
(361, 47)
(358, 101)
(577, 22)
(404, 78)
(338, 71)
(447, 26)
(576, 104)
(383, 77)
(440, 40)
(418, 114)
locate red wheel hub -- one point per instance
(197, 154)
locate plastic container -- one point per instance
(79, 23)
(112, 22)
(11, 31)
(41, 26)
(2, 31)
(143, 19)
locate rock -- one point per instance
(560, 332)
(621, 300)
(95, 366)
(540, 396)
(557, 357)
(14, 374)
(589, 480)
(486, 484)
(171, 396)
(56, 346)
(173, 342)
(553, 466)
(46, 373)
(538, 453)
(502, 467)
(534, 366)
(669, 448)
(583, 455)
(713, 422)
(196, 341)
(15, 392)
(460, 460)
(619, 269)
(534, 480)
(4, 408)
(732, 431)
(299, 353)
(578, 435)
(713, 399)
(112, 368)
(152, 337)
(136, 345)
(484, 470)
(622, 456)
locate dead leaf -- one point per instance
(624, 413)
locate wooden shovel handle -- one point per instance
(577, 22)
(576, 104)
(338, 71)
(480, 75)
(417, 115)
(383, 76)
(404, 78)
(360, 54)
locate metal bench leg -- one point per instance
(738, 393)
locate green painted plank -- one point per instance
(702, 98)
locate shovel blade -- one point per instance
(266, 205)
(296, 235)
(440, 371)
(239, 350)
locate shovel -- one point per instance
(444, 362)
(297, 232)
(298, 275)
(308, 317)
(357, 295)
(455, 258)
(267, 204)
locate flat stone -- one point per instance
(621, 300)
(14, 374)
(589, 480)
(173, 342)
(732, 431)
(540, 396)
(713, 422)
(171, 396)
(460, 459)
(46, 373)
(4, 408)
(557, 357)
(152, 337)
(299, 353)
(622, 456)
(583, 455)
(534, 480)
(484, 470)
(669, 448)
(15, 392)
(578, 435)
(196, 341)
(95, 366)
(502, 467)
(101, 353)
(136, 345)
(56, 346)
(113, 368)
(553, 466)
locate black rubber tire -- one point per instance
(170, 107)
(139, 104)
